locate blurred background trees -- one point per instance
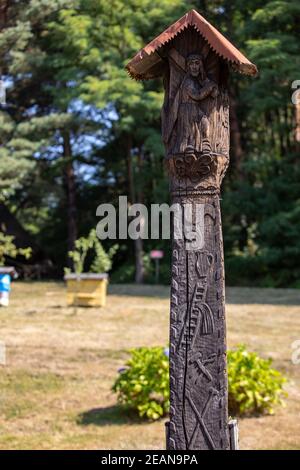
(77, 131)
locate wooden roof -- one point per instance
(147, 62)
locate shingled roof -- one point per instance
(145, 63)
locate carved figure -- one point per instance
(192, 128)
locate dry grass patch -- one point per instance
(55, 391)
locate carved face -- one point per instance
(195, 67)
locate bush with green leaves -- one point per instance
(143, 384)
(254, 387)
(102, 260)
(8, 248)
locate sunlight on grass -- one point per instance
(55, 391)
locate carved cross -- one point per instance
(194, 60)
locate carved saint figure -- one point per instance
(192, 129)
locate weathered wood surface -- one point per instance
(198, 408)
(194, 60)
(196, 136)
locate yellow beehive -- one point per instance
(86, 290)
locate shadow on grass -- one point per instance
(108, 416)
(144, 290)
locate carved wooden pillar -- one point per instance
(194, 59)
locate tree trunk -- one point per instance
(3, 13)
(138, 244)
(70, 185)
(235, 137)
(139, 263)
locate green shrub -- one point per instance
(8, 248)
(102, 260)
(253, 386)
(143, 384)
(123, 274)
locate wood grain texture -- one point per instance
(195, 129)
(198, 407)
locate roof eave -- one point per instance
(139, 67)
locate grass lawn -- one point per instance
(55, 388)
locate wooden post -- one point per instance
(194, 59)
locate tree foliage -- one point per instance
(9, 249)
(77, 131)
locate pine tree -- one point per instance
(131, 109)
